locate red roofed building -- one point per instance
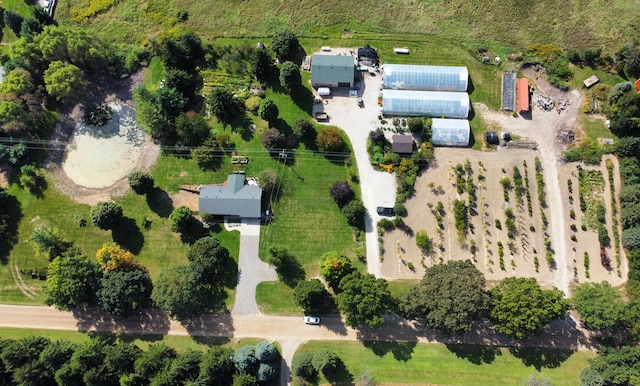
(638, 85)
(523, 95)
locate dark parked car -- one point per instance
(384, 211)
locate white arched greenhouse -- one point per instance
(405, 103)
(450, 132)
(428, 78)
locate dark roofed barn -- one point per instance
(234, 199)
(402, 144)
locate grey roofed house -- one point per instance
(332, 71)
(235, 198)
(402, 143)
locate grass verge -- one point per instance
(411, 363)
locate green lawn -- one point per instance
(437, 364)
(153, 74)
(180, 343)
(274, 297)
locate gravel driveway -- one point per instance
(378, 188)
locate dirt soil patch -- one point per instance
(92, 166)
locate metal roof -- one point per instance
(428, 78)
(450, 132)
(233, 199)
(332, 69)
(408, 103)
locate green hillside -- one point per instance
(516, 23)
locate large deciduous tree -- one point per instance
(64, 81)
(106, 214)
(184, 293)
(181, 219)
(290, 77)
(617, 366)
(216, 367)
(364, 299)
(218, 266)
(450, 297)
(122, 292)
(310, 295)
(286, 46)
(520, 308)
(601, 307)
(72, 281)
(272, 139)
(268, 110)
(354, 211)
(333, 267)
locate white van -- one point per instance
(324, 91)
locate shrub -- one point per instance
(181, 219)
(268, 110)
(415, 125)
(354, 212)
(245, 359)
(330, 140)
(302, 366)
(325, 361)
(105, 215)
(253, 103)
(303, 129)
(423, 241)
(400, 209)
(140, 182)
(266, 352)
(341, 193)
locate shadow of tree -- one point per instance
(341, 374)
(147, 321)
(159, 202)
(210, 329)
(193, 232)
(541, 357)
(39, 187)
(10, 216)
(402, 351)
(474, 353)
(303, 98)
(128, 235)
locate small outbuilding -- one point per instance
(638, 85)
(402, 144)
(450, 132)
(332, 71)
(491, 137)
(590, 81)
(368, 56)
(508, 91)
(523, 95)
(234, 198)
(408, 103)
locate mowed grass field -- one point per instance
(568, 24)
(409, 363)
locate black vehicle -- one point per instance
(384, 211)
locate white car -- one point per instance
(314, 320)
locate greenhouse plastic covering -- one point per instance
(450, 132)
(425, 103)
(428, 78)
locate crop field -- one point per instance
(505, 230)
(570, 24)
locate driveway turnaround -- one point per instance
(251, 270)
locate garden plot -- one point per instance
(594, 248)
